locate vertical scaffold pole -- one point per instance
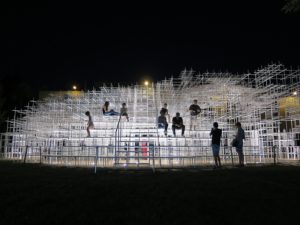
(25, 155)
(96, 159)
(40, 150)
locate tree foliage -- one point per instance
(291, 6)
(2, 102)
(13, 94)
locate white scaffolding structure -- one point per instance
(266, 103)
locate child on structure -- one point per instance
(165, 111)
(177, 123)
(162, 122)
(216, 134)
(195, 110)
(90, 124)
(124, 111)
(107, 112)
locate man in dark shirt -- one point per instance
(215, 143)
(165, 112)
(177, 123)
(240, 137)
(195, 110)
(162, 122)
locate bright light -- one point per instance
(146, 83)
(295, 93)
(74, 87)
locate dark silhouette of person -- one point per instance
(195, 110)
(165, 111)
(240, 136)
(177, 123)
(124, 111)
(90, 124)
(216, 134)
(162, 122)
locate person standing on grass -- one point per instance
(90, 124)
(240, 137)
(216, 134)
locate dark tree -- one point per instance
(13, 94)
(291, 6)
(3, 112)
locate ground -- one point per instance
(35, 194)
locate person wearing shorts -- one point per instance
(90, 124)
(216, 135)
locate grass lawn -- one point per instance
(33, 194)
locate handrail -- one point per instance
(117, 137)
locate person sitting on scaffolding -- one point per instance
(124, 111)
(195, 110)
(107, 112)
(162, 122)
(177, 123)
(165, 111)
(90, 124)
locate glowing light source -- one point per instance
(295, 93)
(74, 87)
(146, 83)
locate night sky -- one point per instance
(53, 47)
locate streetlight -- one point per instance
(146, 83)
(74, 87)
(295, 93)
